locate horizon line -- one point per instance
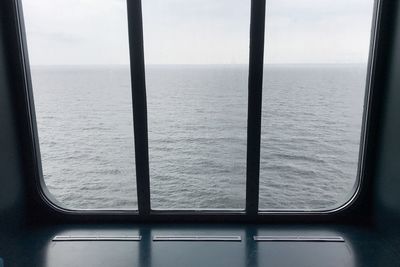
(191, 64)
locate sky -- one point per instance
(95, 32)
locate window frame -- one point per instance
(138, 86)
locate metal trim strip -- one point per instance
(95, 238)
(298, 239)
(197, 238)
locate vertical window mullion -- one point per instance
(135, 28)
(256, 61)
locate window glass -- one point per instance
(196, 73)
(196, 55)
(316, 55)
(81, 83)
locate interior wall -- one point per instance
(387, 159)
(12, 193)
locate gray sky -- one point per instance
(74, 32)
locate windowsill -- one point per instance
(35, 248)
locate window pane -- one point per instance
(81, 83)
(314, 84)
(196, 72)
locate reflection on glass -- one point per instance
(81, 83)
(196, 73)
(314, 84)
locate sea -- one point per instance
(197, 129)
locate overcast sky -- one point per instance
(74, 32)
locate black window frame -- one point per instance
(256, 58)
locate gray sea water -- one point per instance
(197, 117)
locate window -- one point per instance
(196, 71)
(315, 72)
(81, 83)
(197, 111)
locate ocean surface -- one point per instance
(197, 118)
